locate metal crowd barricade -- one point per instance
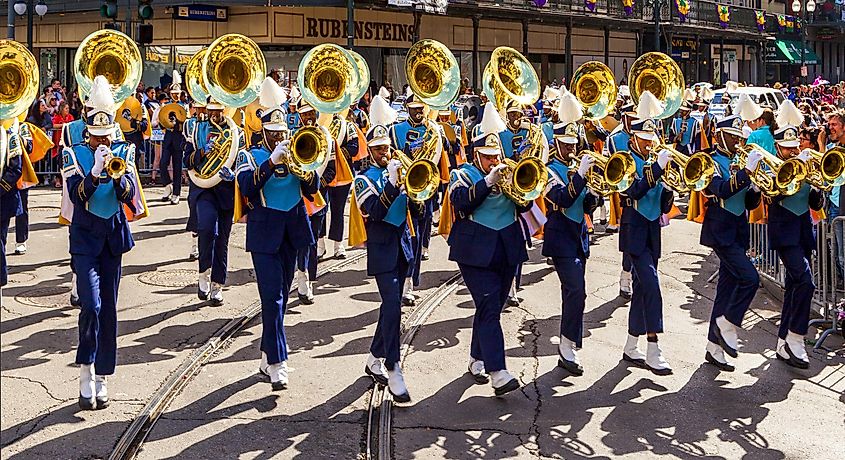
(829, 297)
(51, 165)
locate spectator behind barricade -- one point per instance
(61, 117)
(75, 105)
(39, 117)
(809, 138)
(58, 91)
(836, 126)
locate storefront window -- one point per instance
(48, 63)
(394, 69)
(285, 61)
(158, 62)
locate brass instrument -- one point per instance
(309, 149)
(221, 153)
(135, 113)
(420, 174)
(113, 55)
(363, 72)
(433, 73)
(115, 167)
(594, 85)
(194, 80)
(18, 79)
(612, 174)
(510, 79)
(773, 176)
(4, 149)
(327, 78)
(232, 69)
(826, 170)
(660, 75)
(179, 113)
(525, 180)
(684, 173)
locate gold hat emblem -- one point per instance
(101, 119)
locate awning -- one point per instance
(789, 51)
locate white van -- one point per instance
(760, 95)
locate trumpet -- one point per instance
(612, 174)
(309, 149)
(826, 170)
(420, 174)
(684, 173)
(115, 167)
(773, 176)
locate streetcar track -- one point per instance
(133, 438)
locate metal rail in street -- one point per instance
(133, 438)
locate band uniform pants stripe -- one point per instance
(213, 228)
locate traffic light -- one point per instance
(108, 9)
(145, 9)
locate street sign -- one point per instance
(730, 55)
(201, 13)
(803, 71)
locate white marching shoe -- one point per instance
(435, 218)
(655, 361)
(568, 357)
(278, 375)
(503, 382)
(715, 355)
(408, 298)
(626, 284)
(195, 249)
(792, 351)
(216, 294)
(264, 366)
(375, 369)
(727, 335)
(476, 369)
(20, 249)
(339, 250)
(174, 199)
(632, 353)
(87, 387)
(102, 392)
(321, 248)
(424, 255)
(304, 288)
(396, 385)
(168, 190)
(513, 300)
(204, 285)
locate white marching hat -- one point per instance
(100, 117)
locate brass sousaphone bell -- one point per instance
(659, 74)
(113, 55)
(18, 79)
(595, 88)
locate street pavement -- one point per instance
(762, 410)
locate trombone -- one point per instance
(773, 176)
(686, 174)
(826, 170)
(612, 174)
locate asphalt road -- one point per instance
(762, 410)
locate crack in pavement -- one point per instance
(41, 384)
(530, 320)
(458, 430)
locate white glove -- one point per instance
(393, 171)
(587, 162)
(805, 155)
(100, 160)
(663, 158)
(495, 175)
(755, 188)
(753, 160)
(281, 152)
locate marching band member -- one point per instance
(11, 164)
(684, 131)
(565, 237)
(639, 236)
(487, 242)
(293, 117)
(402, 135)
(619, 141)
(358, 116)
(214, 207)
(791, 235)
(94, 203)
(385, 207)
(22, 219)
(195, 128)
(337, 190)
(172, 149)
(725, 229)
(277, 224)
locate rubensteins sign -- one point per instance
(364, 30)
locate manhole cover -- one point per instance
(169, 278)
(51, 297)
(20, 278)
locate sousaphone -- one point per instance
(113, 55)
(659, 74)
(18, 79)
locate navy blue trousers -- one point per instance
(97, 282)
(171, 155)
(213, 228)
(626, 262)
(386, 339)
(4, 268)
(274, 275)
(646, 312)
(337, 197)
(306, 258)
(22, 220)
(489, 288)
(570, 271)
(738, 282)
(798, 292)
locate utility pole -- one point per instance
(350, 24)
(10, 20)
